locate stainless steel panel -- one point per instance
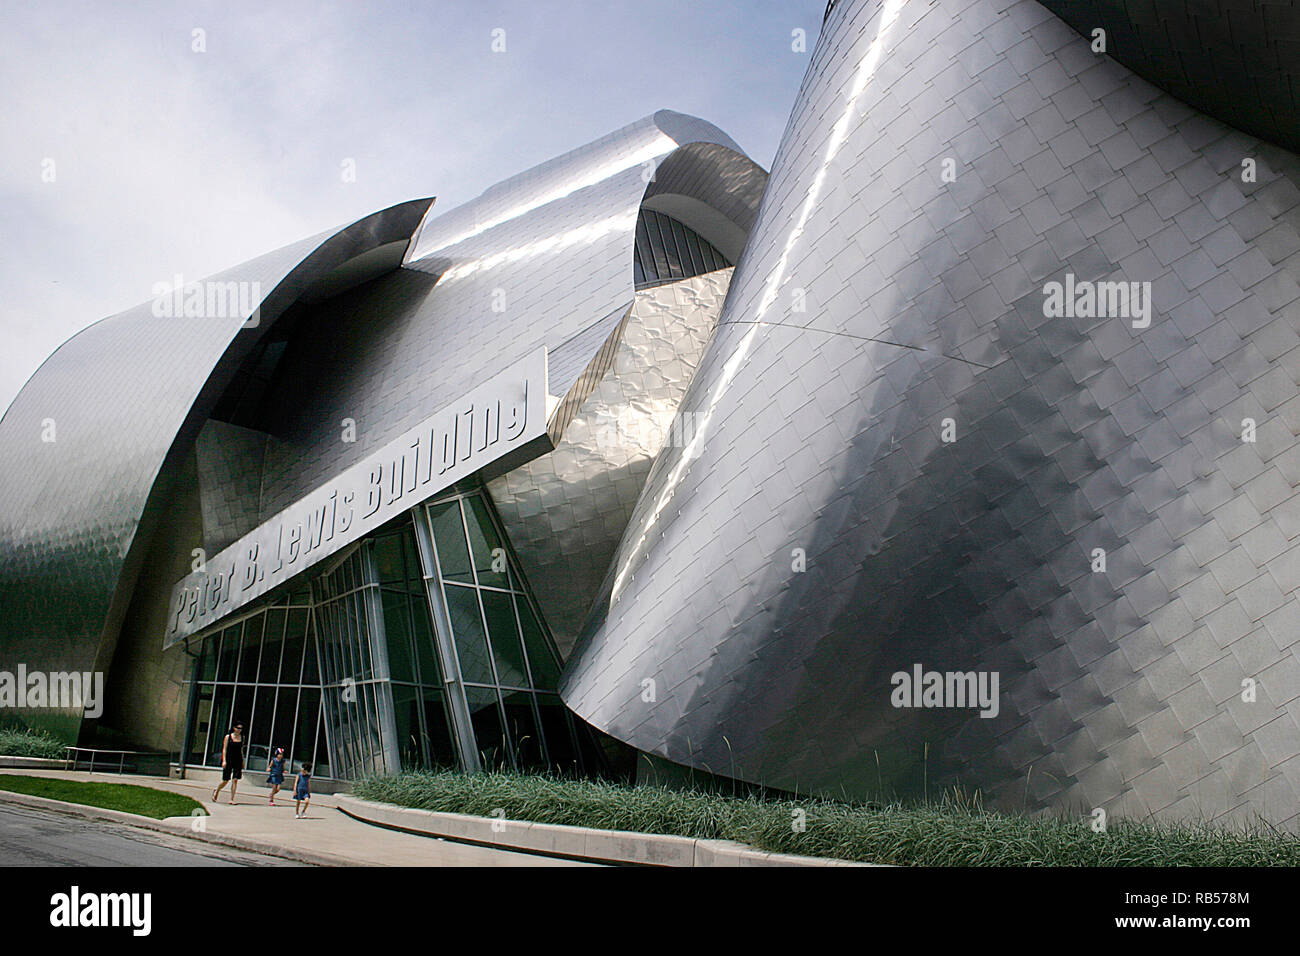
(566, 511)
(823, 431)
(125, 399)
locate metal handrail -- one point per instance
(70, 756)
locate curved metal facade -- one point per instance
(566, 511)
(89, 438)
(821, 533)
(351, 335)
(541, 259)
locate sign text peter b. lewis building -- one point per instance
(492, 420)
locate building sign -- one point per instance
(496, 418)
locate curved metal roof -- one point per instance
(120, 400)
(543, 258)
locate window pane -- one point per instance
(272, 645)
(414, 575)
(504, 635)
(202, 720)
(644, 257)
(229, 659)
(252, 649)
(406, 713)
(291, 662)
(397, 633)
(449, 537)
(485, 715)
(243, 709)
(304, 726)
(546, 672)
(698, 264)
(657, 245)
(559, 734)
(219, 725)
(672, 231)
(438, 740)
(425, 649)
(311, 662)
(259, 729)
(388, 559)
(467, 626)
(522, 725)
(322, 766)
(371, 750)
(286, 715)
(484, 541)
(207, 669)
(339, 725)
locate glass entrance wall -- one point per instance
(354, 666)
(420, 707)
(418, 647)
(506, 660)
(262, 670)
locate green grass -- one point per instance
(956, 831)
(126, 797)
(18, 742)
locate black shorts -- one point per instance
(228, 772)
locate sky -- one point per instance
(143, 140)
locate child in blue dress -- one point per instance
(302, 791)
(276, 776)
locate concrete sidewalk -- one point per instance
(326, 836)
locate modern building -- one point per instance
(979, 467)
(355, 493)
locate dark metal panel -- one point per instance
(1237, 60)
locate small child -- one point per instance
(302, 791)
(276, 776)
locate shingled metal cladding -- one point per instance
(541, 259)
(565, 512)
(376, 326)
(92, 434)
(874, 301)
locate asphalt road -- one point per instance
(39, 838)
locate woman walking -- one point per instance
(232, 762)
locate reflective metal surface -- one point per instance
(565, 512)
(351, 349)
(820, 533)
(89, 442)
(542, 259)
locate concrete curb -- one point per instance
(32, 763)
(176, 826)
(575, 843)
